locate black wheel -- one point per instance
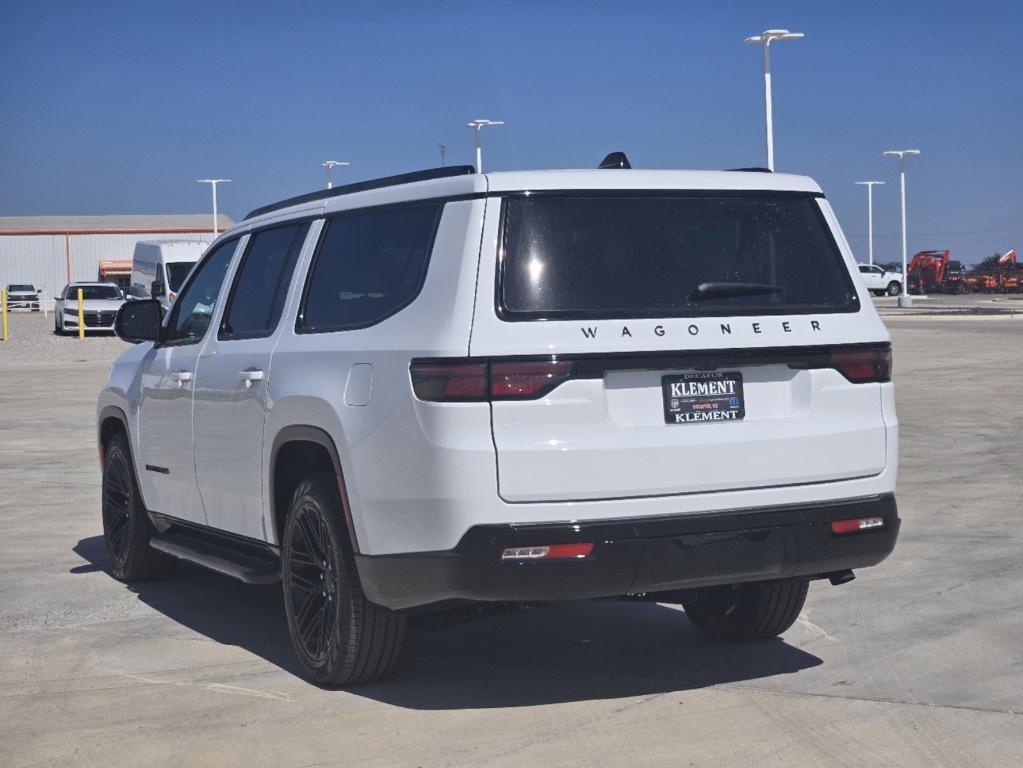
(753, 611)
(339, 636)
(126, 526)
(893, 288)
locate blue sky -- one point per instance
(113, 107)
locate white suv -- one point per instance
(881, 281)
(449, 388)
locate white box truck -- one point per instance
(159, 267)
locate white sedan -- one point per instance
(100, 302)
(880, 281)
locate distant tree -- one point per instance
(991, 262)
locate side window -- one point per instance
(261, 285)
(369, 265)
(865, 270)
(191, 313)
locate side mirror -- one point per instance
(139, 321)
(156, 289)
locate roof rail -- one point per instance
(754, 169)
(362, 186)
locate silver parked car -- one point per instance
(22, 296)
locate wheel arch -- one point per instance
(297, 450)
(112, 421)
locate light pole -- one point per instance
(330, 165)
(213, 185)
(870, 217)
(443, 154)
(764, 39)
(902, 154)
(476, 125)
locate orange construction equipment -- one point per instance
(926, 272)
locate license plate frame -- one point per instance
(685, 401)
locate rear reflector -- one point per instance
(857, 524)
(550, 552)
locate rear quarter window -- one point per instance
(586, 256)
(368, 266)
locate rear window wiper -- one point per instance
(715, 290)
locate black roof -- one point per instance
(362, 186)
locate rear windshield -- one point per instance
(177, 271)
(569, 256)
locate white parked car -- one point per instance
(100, 302)
(881, 281)
(22, 296)
(450, 388)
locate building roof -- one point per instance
(197, 222)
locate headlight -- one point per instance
(70, 311)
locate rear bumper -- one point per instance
(642, 555)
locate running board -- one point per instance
(249, 561)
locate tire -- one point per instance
(893, 289)
(126, 525)
(753, 611)
(339, 637)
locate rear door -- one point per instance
(674, 343)
(232, 382)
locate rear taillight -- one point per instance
(513, 381)
(461, 381)
(862, 366)
(450, 381)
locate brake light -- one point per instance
(857, 524)
(511, 381)
(458, 380)
(449, 381)
(548, 552)
(862, 366)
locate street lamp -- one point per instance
(764, 39)
(870, 217)
(902, 154)
(330, 165)
(477, 125)
(213, 185)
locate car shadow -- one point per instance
(527, 657)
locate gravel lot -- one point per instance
(919, 662)
(32, 341)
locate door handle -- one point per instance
(180, 377)
(251, 376)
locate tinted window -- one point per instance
(662, 256)
(257, 299)
(866, 270)
(177, 271)
(94, 292)
(191, 312)
(368, 266)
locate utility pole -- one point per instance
(330, 165)
(443, 154)
(764, 39)
(902, 154)
(870, 218)
(476, 125)
(213, 185)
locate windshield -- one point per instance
(177, 271)
(577, 256)
(21, 288)
(94, 292)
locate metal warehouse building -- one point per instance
(51, 251)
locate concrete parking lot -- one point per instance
(919, 662)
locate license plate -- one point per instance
(695, 398)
